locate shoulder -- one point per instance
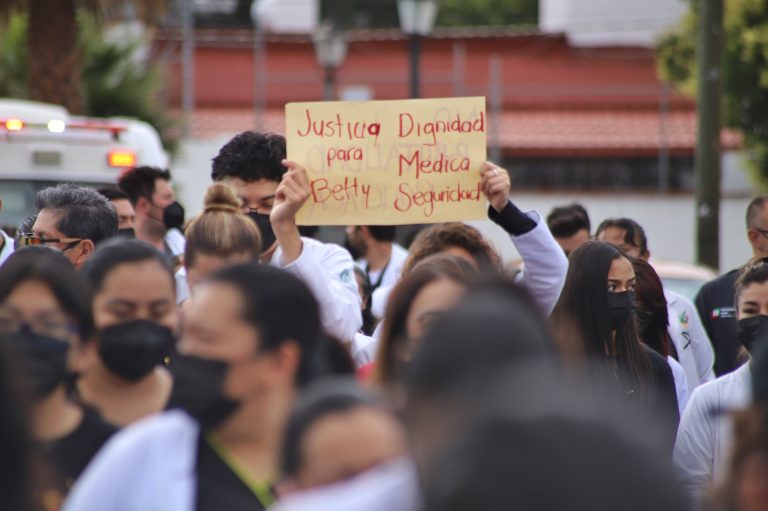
(725, 280)
(166, 430)
(711, 391)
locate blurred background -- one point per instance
(588, 100)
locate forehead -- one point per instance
(754, 293)
(32, 296)
(253, 190)
(215, 302)
(613, 235)
(123, 206)
(46, 223)
(138, 281)
(621, 269)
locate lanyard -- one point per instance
(375, 286)
(261, 489)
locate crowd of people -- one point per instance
(229, 361)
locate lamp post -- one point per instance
(417, 19)
(330, 51)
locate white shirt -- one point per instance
(388, 487)
(362, 349)
(694, 349)
(681, 383)
(388, 279)
(328, 271)
(705, 435)
(148, 466)
(7, 250)
(182, 286)
(175, 241)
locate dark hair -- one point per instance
(113, 194)
(139, 182)
(221, 229)
(634, 234)
(495, 324)
(83, 212)
(652, 305)
(251, 156)
(584, 301)
(24, 228)
(382, 232)
(325, 397)
(565, 221)
(557, 455)
(756, 273)
(337, 360)
(117, 252)
(394, 335)
(756, 205)
(281, 308)
(16, 463)
(53, 269)
(440, 237)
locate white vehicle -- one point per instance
(42, 145)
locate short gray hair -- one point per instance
(84, 212)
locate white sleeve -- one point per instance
(700, 344)
(545, 264)
(681, 383)
(694, 452)
(328, 271)
(379, 300)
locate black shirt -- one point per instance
(66, 458)
(219, 487)
(715, 303)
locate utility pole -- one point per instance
(707, 159)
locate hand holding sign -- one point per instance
(391, 162)
(291, 194)
(496, 185)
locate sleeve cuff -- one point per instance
(512, 220)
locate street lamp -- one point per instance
(330, 51)
(417, 19)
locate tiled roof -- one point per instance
(527, 132)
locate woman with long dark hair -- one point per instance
(653, 323)
(45, 323)
(598, 299)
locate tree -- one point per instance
(452, 13)
(745, 72)
(54, 59)
(113, 82)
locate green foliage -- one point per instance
(467, 13)
(13, 56)
(452, 13)
(115, 83)
(745, 72)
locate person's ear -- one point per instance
(753, 236)
(142, 205)
(84, 250)
(645, 255)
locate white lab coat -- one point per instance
(705, 437)
(694, 349)
(7, 250)
(681, 383)
(328, 271)
(149, 466)
(391, 486)
(544, 266)
(389, 279)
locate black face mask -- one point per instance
(265, 227)
(43, 359)
(198, 389)
(620, 308)
(131, 350)
(752, 332)
(173, 216)
(128, 232)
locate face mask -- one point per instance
(128, 232)
(752, 332)
(198, 389)
(173, 216)
(265, 227)
(43, 360)
(131, 350)
(620, 308)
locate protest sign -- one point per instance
(390, 162)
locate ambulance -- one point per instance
(42, 145)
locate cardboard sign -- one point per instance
(390, 162)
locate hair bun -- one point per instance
(220, 197)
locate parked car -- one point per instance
(683, 278)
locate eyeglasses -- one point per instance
(761, 231)
(28, 240)
(56, 329)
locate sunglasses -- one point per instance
(28, 240)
